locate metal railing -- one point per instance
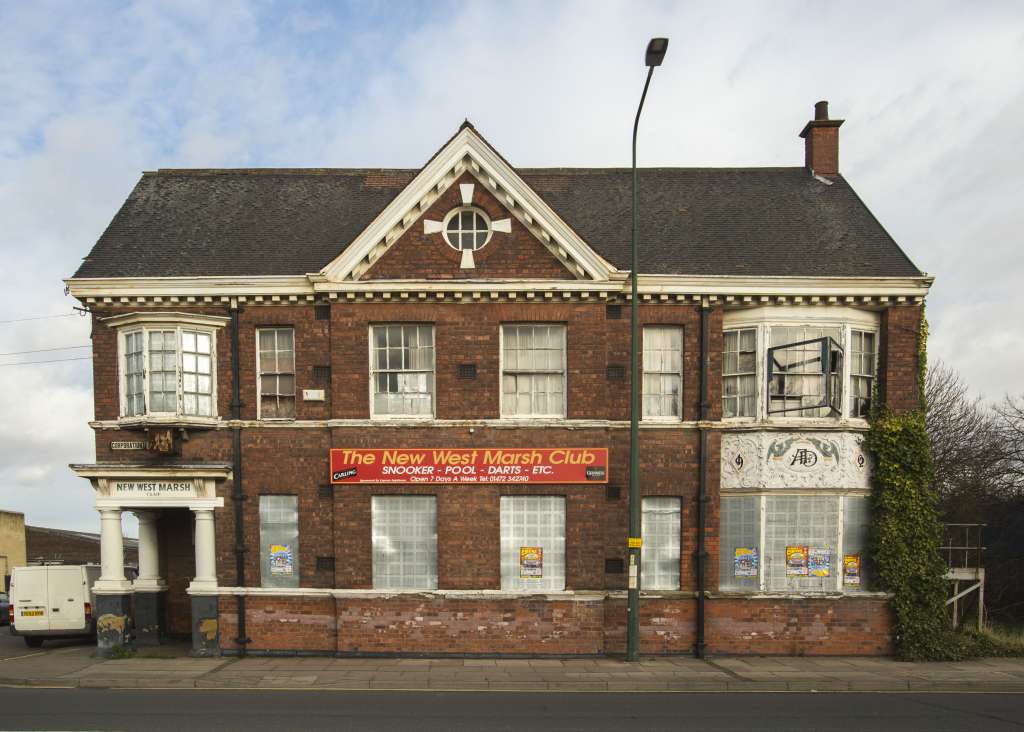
(963, 550)
(961, 545)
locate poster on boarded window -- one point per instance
(531, 562)
(851, 569)
(281, 560)
(819, 563)
(745, 561)
(796, 561)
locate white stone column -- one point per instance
(206, 551)
(112, 579)
(149, 579)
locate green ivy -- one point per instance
(906, 534)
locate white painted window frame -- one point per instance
(489, 230)
(372, 370)
(652, 539)
(554, 545)
(643, 376)
(259, 374)
(384, 509)
(849, 359)
(837, 561)
(762, 319)
(145, 329)
(757, 369)
(501, 371)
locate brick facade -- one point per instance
(291, 458)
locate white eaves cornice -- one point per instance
(746, 290)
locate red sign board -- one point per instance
(470, 465)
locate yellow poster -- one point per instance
(531, 562)
(851, 569)
(796, 561)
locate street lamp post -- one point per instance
(655, 55)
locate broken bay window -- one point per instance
(862, 371)
(739, 373)
(805, 367)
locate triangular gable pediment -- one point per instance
(468, 152)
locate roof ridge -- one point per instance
(275, 171)
(368, 171)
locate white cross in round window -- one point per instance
(467, 228)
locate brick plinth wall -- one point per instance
(539, 626)
(304, 624)
(431, 625)
(849, 626)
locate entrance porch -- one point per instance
(175, 591)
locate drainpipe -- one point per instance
(701, 554)
(236, 479)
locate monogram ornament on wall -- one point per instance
(764, 460)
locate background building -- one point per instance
(386, 411)
(12, 543)
(73, 547)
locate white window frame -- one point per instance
(740, 330)
(145, 323)
(259, 374)
(846, 319)
(837, 586)
(458, 212)
(872, 391)
(509, 563)
(378, 509)
(643, 376)
(372, 369)
(501, 371)
(266, 576)
(649, 546)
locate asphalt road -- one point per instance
(278, 711)
(13, 646)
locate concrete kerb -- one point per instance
(650, 675)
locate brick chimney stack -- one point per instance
(821, 142)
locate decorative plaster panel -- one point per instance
(781, 460)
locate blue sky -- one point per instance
(94, 93)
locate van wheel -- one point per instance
(33, 641)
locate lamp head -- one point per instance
(656, 51)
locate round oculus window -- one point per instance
(467, 228)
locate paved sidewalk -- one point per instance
(76, 666)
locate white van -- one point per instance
(52, 600)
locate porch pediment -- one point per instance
(147, 485)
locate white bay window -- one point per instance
(739, 373)
(786, 364)
(863, 358)
(166, 365)
(799, 543)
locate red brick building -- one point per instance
(457, 337)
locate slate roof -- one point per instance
(699, 221)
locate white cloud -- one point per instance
(95, 93)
